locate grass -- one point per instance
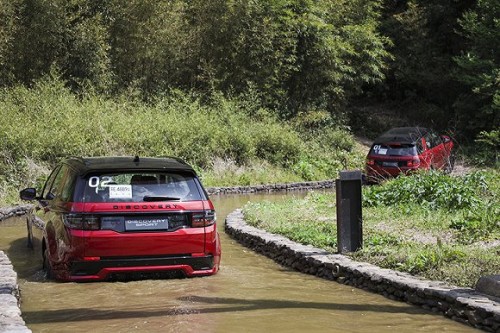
(226, 172)
(229, 141)
(307, 221)
(444, 240)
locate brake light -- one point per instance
(91, 258)
(413, 163)
(370, 162)
(82, 221)
(203, 219)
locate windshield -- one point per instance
(394, 150)
(141, 187)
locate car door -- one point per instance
(447, 155)
(53, 204)
(438, 150)
(426, 156)
(38, 217)
(434, 150)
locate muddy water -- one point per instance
(250, 294)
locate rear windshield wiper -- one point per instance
(149, 198)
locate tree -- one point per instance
(479, 68)
(9, 24)
(295, 55)
(43, 35)
(425, 40)
(87, 62)
(299, 54)
(339, 51)
(39, 40)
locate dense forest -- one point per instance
(293, 56)
(247, 91)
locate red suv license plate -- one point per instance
(390, 164)
(136, 224)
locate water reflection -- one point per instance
(249, 294)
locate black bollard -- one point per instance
(349, 213)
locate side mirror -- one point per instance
(445, 138)
(28, 194)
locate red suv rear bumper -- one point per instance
(108, 268)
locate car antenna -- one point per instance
(136, 159)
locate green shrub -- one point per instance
(473, 198)
(304, 169)
(478, 222)
(315, 121)
(486, 148)
(278, 144)
(431, 189)
(48, 122)
(335, 139)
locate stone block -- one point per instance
(489, 285)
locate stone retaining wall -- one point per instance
(7, 212)
(272, 187)
(10, 313)
(461, 304)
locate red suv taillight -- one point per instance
(203, 219)
(413, 163)
(82, 221)
(370, 162)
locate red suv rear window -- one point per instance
(394, 149)
(141, 186)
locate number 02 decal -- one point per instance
(98, 182)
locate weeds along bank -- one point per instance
(230, 141)
(433, 225)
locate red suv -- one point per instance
(405, 149)
(103, 217)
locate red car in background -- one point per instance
(407, 149)
(103, 217)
